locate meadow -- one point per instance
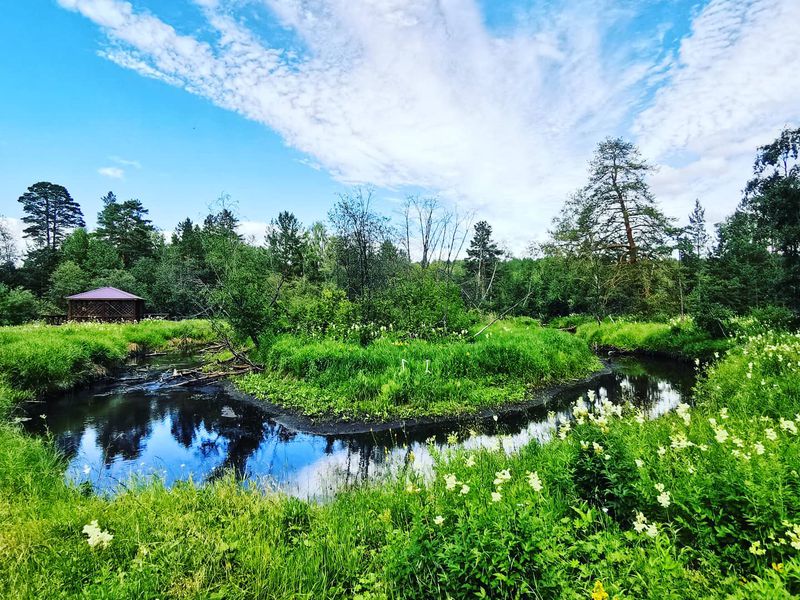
(700, 503)
(394, 377)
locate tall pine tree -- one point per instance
(50, 213)
(125, 226)
(482, 260)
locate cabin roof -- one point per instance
(104, 293)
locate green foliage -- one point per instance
(701, 503)
(50, 213)
(286, 241)
(420, 304)
(680, 338)
(124, 225)
(246, 290)
(17, 306)
(391, 377)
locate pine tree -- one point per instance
(286, 240)
(482, 260)
(615, 216)
(50, 213)
(696, 232)
(125, 226)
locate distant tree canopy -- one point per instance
(613, 232)
(612, 251)
(50, 213)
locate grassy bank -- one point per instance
(701, 503)
(678, 339)
(35, 358)
(390, 378)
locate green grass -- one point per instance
(728, 526)
(680, 340)
(39, 357)
(391, 379)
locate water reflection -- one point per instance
(137, 427)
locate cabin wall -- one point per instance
(105, 310)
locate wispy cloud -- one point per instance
(422, 93)
(731, 87)
(125, 162)
(112, 172)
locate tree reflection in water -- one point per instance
(140, 427)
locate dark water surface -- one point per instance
(136, 426)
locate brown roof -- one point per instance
(104, 293)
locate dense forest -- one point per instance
(612, 252)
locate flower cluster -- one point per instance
(663, 498)
(96, 536)
(640, 525)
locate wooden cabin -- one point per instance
(105, 304)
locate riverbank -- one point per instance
(391, 379)
(36, 358)
(681, 340)
(701, 503)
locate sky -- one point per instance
(494, 106)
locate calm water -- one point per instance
(136, 426)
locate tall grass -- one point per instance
(390, 378)
(701, 503)
(680, 339)
(38, 357)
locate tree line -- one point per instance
(611, 251)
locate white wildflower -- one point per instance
(96, 536)
(534, 481)
(720, 435)
(683, 412)
(502, 477)
(496, 496)
(439, 519)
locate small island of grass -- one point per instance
(390, 378)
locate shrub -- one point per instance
(17, 306)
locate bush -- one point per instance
(713, 319)
(17, 306)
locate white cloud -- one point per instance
(420, 92)
(112, 172)
(732, 86)
(253, 231)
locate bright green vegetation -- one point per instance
(38, 357)
(678, 339)
(389, 378)
(701, 503)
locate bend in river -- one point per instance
(136, 426)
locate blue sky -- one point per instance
(495, 105)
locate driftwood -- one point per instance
(197, 376)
